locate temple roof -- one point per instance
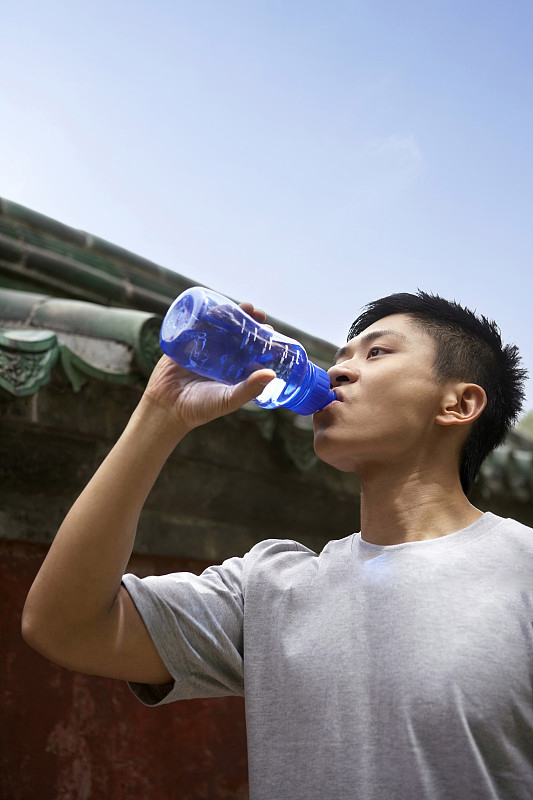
(39, 254)
(73, 302)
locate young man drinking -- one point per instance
(397, 664)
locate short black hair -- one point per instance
(468, 348)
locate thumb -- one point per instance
(252, 386)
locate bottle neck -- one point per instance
(313, 393)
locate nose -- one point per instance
(339, 374)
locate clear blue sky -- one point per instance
(308, 156)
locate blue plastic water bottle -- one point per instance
(212, 336)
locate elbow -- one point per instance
(37, 634)
(31, 630)
(27, 625)
(71, 645)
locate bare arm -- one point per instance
(77, 613)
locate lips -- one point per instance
(338, 399)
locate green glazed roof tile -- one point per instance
(26, 216)
(26, 360)
(119, 344)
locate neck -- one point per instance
(397, 509)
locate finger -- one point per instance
(255, 313)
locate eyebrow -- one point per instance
(367, 338)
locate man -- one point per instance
(397, 663)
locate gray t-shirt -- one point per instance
(400, 672)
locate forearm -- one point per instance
(77, 585)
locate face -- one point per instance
(387, 398)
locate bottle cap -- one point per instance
(317, 394)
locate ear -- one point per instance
(461, 404)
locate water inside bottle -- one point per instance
(242, 348)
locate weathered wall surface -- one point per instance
(66, 736)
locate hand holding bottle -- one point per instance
(188, 400)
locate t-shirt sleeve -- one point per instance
(196, 624)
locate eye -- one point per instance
(376, 351)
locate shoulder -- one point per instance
(509, 530)
(286, 557)
(271, 547)
(507, 545)
(275, 549)
(271, 552)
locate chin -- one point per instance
(341, 466)
(329, 454)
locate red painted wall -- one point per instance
(66, 736)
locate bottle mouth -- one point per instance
(177, 317)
